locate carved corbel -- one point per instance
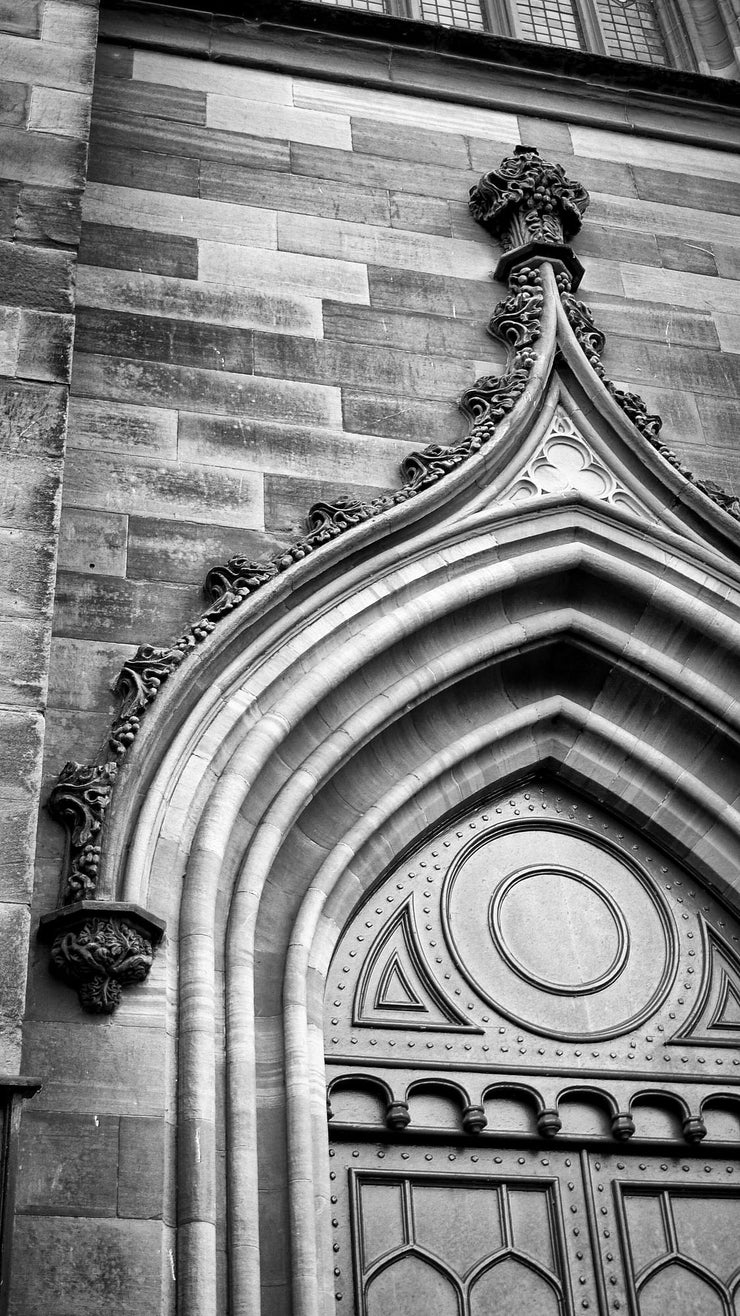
(99, 947)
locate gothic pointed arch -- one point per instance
(547, 612)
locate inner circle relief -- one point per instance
(559, 930)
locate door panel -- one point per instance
(473, 1231)
(523, 1231)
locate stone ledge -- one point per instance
(473, 55)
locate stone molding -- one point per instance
(478, 56)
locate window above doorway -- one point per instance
(624, 29)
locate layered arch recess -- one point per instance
(570, 639)
(561, 608)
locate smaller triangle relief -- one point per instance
(715, 1020)
(396, 988)
(727, 1013)
(395, 992)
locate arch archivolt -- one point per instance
(321, 736)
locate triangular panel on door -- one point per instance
(396, 988)
(715, 1020)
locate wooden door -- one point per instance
(534, 1079)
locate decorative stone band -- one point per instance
(99, 947)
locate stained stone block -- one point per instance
(133, 249)
(35, 278)
(93, 541)
(14, 100)
(88, 1266)
(158, 338)
(147, 169)
(117, 427)
(68, 1164)
(49, 215)
(303, 195)
(45, 346)
(141, 1168)
(184, 552)
(14, 937)
(116, 92)
(210, 391)
(112, 610)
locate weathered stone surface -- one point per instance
(152, 170)
(144, 1143)
(45, 346)
(33, 277)
(86, 1263)
(175, 491)
(163, 385)
(353, 201)
(184, 552)
(22, 17)
(14, 102)
(157, 338)
(115, 93)
(131, 249)
(289, 450)
(117, 427)
(93, 541)
(402, 372)
(48, 215)
(68, 1164)
(216, 303)
(177, 217)
(20, 773)
(119, 611)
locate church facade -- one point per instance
(370, 629)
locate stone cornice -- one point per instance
(418, 58)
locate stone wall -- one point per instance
(47, 53)
(281, 293)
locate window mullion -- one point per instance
(590, 22)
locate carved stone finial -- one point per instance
(99, 948)
(532, 209)
(79, 801)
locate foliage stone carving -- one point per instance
(79, 802)
(99, 959)
(527, 199)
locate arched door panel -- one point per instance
(548, 1003)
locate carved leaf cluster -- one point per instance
(100, 959)
(527, 199)
(79, 802)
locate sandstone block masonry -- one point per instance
(47, 51)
